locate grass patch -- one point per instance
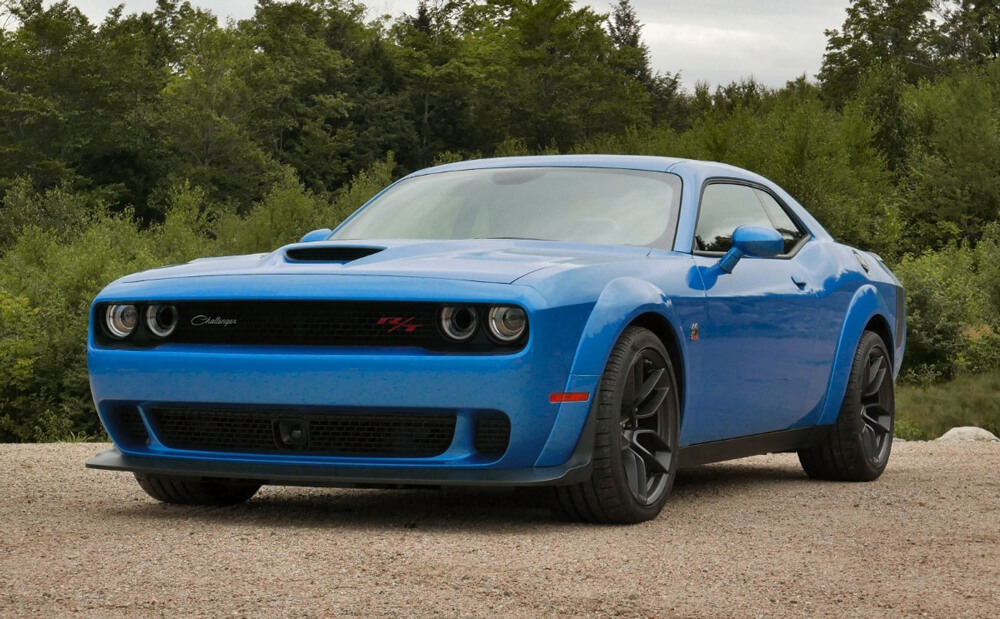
(928, 412)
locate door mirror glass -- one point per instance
(756, 241)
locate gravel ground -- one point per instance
(742, 539)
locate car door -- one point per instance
(758, 346)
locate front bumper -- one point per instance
(576, 469)
(548, 443)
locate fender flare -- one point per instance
(620, 303)
(866, 304)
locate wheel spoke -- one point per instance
(875, 375)
(649, 408)
(653, 451)
(870, 439)
(636, 377)
(635, 474)
(877, 418)
(647, 388)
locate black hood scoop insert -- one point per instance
(330, 253)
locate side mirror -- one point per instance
(758, 241)
(316, 235)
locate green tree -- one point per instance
(886, 32)
(207, 109)
(557, 81)
(440, 72)
(50, 85)
(954, 182)
(970, 31)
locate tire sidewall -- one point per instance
(850, 423)
(636, 340)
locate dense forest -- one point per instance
(154, 138)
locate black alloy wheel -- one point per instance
(858, 446)
(636, 439)
(876, 398)
(645, 452)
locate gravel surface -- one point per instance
(742, 539)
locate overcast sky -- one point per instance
(716, 41)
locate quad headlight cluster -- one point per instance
(121, 320)
(505, 324)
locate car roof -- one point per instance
(624, 162)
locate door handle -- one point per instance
(798, 281)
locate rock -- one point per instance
(967, 433)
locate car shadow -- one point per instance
(452, 508)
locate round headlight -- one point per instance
(161, 319)
(507, 323)
(121, 320)
(459, 323)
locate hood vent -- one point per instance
(334, 253)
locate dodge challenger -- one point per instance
(589, 324)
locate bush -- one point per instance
(949, 324)
(49, 278)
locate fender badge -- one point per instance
(694, 332)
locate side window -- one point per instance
(783, 223)
(724, 208)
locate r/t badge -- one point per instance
(694, 332)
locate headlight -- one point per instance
(459, 323)
(507, 323)
(121, 320)
(161, 319)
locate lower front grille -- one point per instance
(414, 435)
(130, 423)
(492, 435)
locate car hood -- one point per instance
(501, 261)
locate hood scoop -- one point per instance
(330, 253)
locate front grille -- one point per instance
(307, 323)
(330, 254)
(130, 425)
(492, 435)
(414, 435)
(403, 324)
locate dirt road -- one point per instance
(750, 538)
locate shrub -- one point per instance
(949, 331)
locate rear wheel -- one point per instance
(858, 447)
(636, 441)
(197, 490)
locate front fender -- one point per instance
(866, 304)
(621, 302)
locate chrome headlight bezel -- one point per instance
(458, 323)
(161, 320)
(121, 320)
(507, 323)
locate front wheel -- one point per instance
(636, 440)
(857, 448)
(197, 490)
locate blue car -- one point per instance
(590, 324)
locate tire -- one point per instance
(636, 440)
(858, 447)
(197, 490)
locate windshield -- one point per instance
(582, 205)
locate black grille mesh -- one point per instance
(356, 434)
(316, 323)
(131, 426)
(492, 435)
